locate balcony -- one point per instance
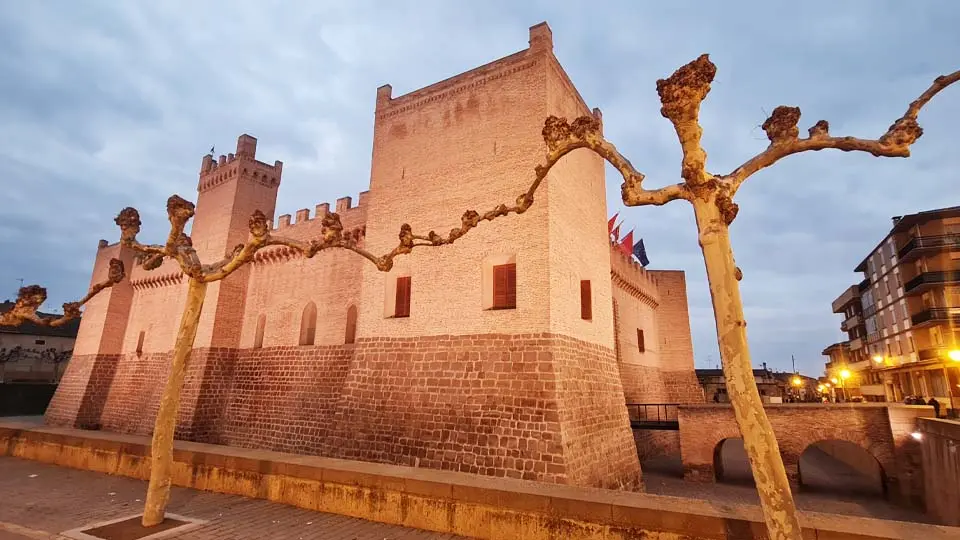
(856, 344)
(873, 390)
(930, 280)
(932, 354)
(869, 311)
(930, 316)
(920, 245)
(850, 295)
(851, 323)
(874, 337)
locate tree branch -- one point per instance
(563, 138)
(781, 128)
(31, 297)
(680, 96)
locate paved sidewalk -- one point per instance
(39, 501)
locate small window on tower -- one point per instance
(402, 306)
(261, 326)
(640, 345)
(505, 286)
(586, 302)
(140, 342)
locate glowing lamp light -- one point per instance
(797, 381)
(834, 380)
(917, 436)
(878, 359)
(954, 355)
(845, 374)
(821, 388)
(828, 384)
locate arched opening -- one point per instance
(730, 462)
(351, 334)
(841, 467)
(308, 324)
(258, 336)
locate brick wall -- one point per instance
(941, 464)
(881, 430)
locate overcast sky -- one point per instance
(106, 104)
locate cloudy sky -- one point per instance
(106, 104)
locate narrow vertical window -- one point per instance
(402, 308)
(261, 326)
(308, 324)
(505, 286)
(640, 345)
(586, 300)
(140, 342)
(351, 325)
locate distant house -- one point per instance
(773, 386)
(34, 353)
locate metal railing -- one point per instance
(931, 278)
(654, 415)
(936, 314)
(929, 242)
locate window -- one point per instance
(351, 325)
(140, 342)
(402, 305)
(39, 342)
(640, 345)
(912, 346)
(898, 348)
(897, 276)
(308, 324)
(586, 302)
(261, 326)
(505, 286)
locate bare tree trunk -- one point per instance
(161, 449)
(776, 500)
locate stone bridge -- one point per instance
(884, 430)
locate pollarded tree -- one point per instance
(712, 198)
(29, 300)
(179, 248)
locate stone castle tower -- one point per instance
(431, 364)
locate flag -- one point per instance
(627, 245)
(616, 233)
(640, 253)
(212, 149)
(611, 222)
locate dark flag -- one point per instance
(640, 253)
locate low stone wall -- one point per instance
(442, 501)
(940, 448)
(655, 443)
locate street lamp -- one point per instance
(878, 359)
(954, 355)
(844, 375)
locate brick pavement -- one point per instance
(39, 501)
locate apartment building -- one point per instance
(903, 320)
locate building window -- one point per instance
(898, 348)
(140, 342)
(640, 345)
(402, 305)
(505, 286)
(911, 344)
(39, 342)
(586, 300)
(896, 276)
(308, 324)
(258, 336)
(351, 325)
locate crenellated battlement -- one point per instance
(350, 215)
(241, 164)
(541, 41)
(633, 277)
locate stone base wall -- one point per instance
(533, 406)
(645, 384)
(655, 443)
(82, 392)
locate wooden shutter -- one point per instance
(640, 345)
(505, 286)
(586, 301)
(402, 308)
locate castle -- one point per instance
(510, 353)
